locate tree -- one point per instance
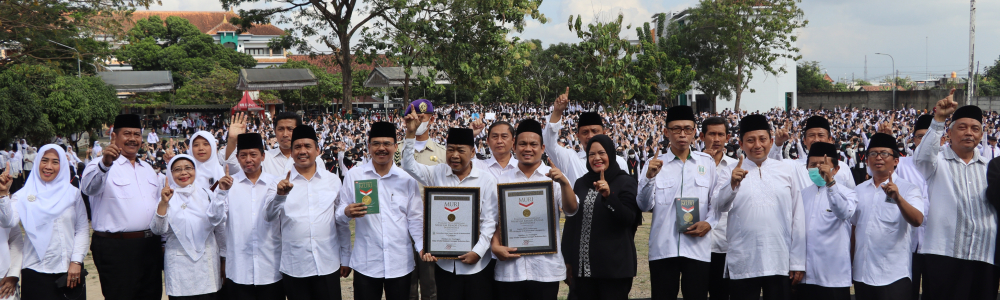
(328, 87)
(53, 104)
(656, 67)
(748, 36)
(810, 78)
(216, 87)
(712, 75)
(176, 45)
(604, 65)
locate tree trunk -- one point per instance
(739, 89)
(346, 63)
(406, 89)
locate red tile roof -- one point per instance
(827, 78)
(206, 21)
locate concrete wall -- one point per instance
(925, 99)
(986, 103)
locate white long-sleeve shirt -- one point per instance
(828, 234)
(70, 239)
(696, 177)
(573, 164)
(963, 224)
(382, 241)
(907, 169)
(882, 237)
(253, 244)
(123, 198)
(724, 170)
(493, 167)
(313, 242)
(441, 175)
(184, 276)
(542, 267)
(767, 228)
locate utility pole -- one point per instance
(972, 46)
(866, 67)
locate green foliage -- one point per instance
(53, 104)
(745, 36)
(606, 71)
(179, 47)
(655, 66)
(216, 87)
(988, 83)
(809, 78)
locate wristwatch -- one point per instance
(831, 183)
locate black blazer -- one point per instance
(612, 231)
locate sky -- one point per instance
(923, 36)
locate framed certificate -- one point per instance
(451, 220)
(527, 217)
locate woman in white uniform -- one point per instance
(191, 255)
(54, 218)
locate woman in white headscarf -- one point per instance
(97, 151)
(191, 255)
(204, 148)
(54, 219)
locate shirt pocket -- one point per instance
(398, 205)
(888, 216)
(666, 185)
(122, 188)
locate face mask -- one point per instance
(422, 129)
(816, 178)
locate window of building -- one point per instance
(256, 51)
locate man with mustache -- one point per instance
(817, 129)
(124, 193)
(500, 139)
(381, 257)
(907, 170)
(471, 275)
(277, 161)
(959, 241)
(715, 133)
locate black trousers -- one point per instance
(236, 291)
(665, 278)
(422, 277)
(918, 270)
(322, 287)
(464, 287)
(129, 269)
(952, 278)
(527, 290)
(42, 286)
(718, 284)
(815, 292)
(587, 288)
(776, 287)
(366, 288)
(898, 290)
(209, 296)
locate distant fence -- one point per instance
(924, 99)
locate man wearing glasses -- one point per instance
(670, 179)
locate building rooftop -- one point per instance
(209, 22)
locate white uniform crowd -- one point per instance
(800, 204)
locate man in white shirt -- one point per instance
(277, 161)
(907, 170)
(124, 193)
(887, 207)
(959, 240)
(152, 138)
(500, 138)
(253, 244)
(572, 163)
(817, 129)
(471, 275)
(382, 257)
(315, 245)
(679, 246)
(533, 277)
(766, 233)
(828, 207)
(715, 133)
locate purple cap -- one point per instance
(423, 106)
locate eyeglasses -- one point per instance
(882, 155)
(376, 145)
(676, 130)
(185, 169)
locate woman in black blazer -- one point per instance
(599, 240)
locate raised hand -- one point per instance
(784, 134)
(891, 190)
(826, 173)
(654, 167)
(738, 174)
(945, 107)
(602, 186)
(110, 153)
(556, 175)
(477, 126)
(237, 126)
(6, 181)
(562, 101)
(167, 192)
(169, 154)
(226, 182)
(285, 185)
(411, 120)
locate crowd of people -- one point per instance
(798, 204)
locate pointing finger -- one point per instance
(602, 175)
(166, 183)
(567, 91)
(227, 169)
(288, 176)
(740, 164)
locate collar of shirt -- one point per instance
(472, 174)
(124, 160)
(512, 163)
(950, 154)
(241, 177)
(296, 174)
(369, 167)
(670, 156)
(541, 170)
(871, 183)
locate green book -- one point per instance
(687, 212)
(366, 192)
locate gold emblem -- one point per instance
(451, 217)
(423, 107)
(367, 200)
(434, 158)
(31, 198)
(527, 213)
(688, 217)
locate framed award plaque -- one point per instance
(451, 220)
(527, 217)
